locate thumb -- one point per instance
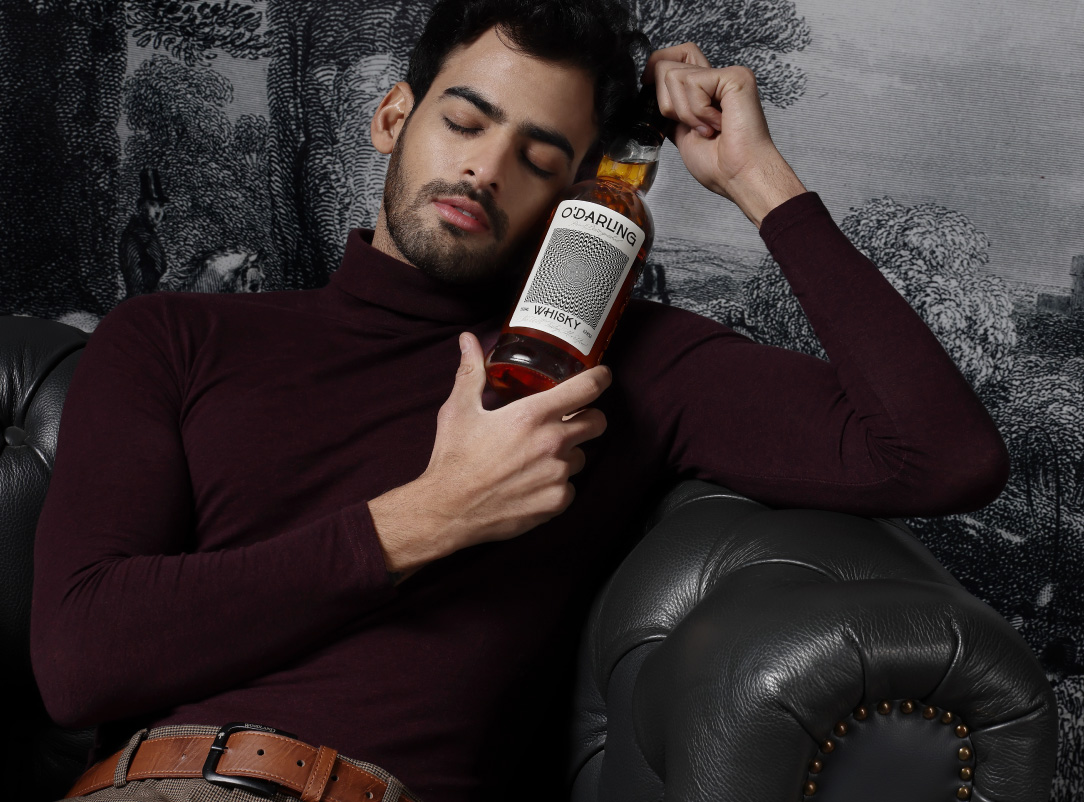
(470, 379)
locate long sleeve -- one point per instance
(131, 611)
(887, 426)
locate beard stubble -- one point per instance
(442, 253)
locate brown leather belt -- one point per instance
(258, 759)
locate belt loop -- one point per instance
(120, 774)
(393, 791)
(322, 765)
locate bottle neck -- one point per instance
(633, 158)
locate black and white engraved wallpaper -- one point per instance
(222, 146)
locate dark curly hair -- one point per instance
(594, 35)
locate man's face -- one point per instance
(486, 152)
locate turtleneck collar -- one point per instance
(379, 279)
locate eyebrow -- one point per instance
(494, 112)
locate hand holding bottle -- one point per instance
(493, 474)
(722, 134)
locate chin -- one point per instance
(487, 268)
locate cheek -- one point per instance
(436, 155)
(541, 207)
(528, 222)
(418, 157)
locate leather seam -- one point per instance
(43, 373)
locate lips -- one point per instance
(463, 213)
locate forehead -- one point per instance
(526, 88)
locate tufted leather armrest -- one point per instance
(37, 358)
(732, 643)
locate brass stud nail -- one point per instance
(947, 717)
(966, 773)
(827, 747)
(964, 753)
(861, 713)
(961, 730)
(815, 766)
(884, 708)
(810, 788)
(963, 792)
(907, 706)
(840, 728)
(929, 712)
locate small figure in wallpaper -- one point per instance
(142, 257)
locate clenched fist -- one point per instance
(721, 134)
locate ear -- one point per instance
(390, 116)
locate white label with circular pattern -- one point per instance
(583, 262)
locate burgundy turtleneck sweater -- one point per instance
(206, 552)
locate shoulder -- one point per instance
(137, 333)
(177, 324)
(138, 313)
(188, 310)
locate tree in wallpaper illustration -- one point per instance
(214, 171)
(194, 33)
(331, 62)
(218, 227)
(59, 152)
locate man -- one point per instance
(324, 529)
(142, 257)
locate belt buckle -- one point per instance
(218, 748)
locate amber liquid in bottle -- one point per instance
(564, 297)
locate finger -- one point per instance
(588, 425)
(687, 53)
(470, 379)
(691, 96)
(576, 460)
(573, 394)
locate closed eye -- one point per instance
(467, 131)
(534, 168)
(461, 129)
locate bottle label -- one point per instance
(583, 262)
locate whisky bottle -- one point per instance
(594, 249)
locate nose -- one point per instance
(486, 164)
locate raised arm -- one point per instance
(887, 426)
